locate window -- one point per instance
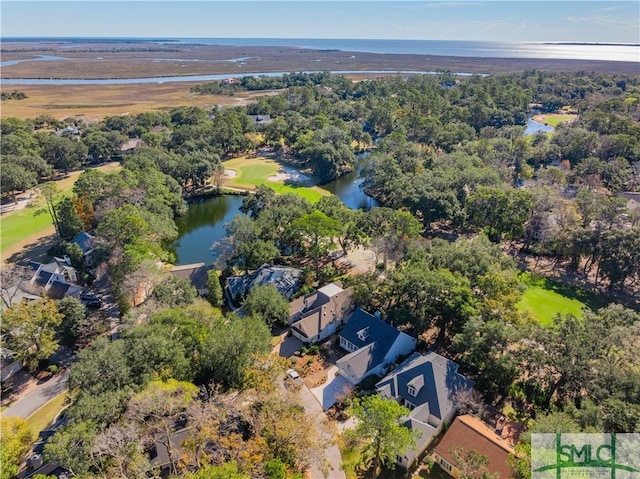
(412, 391)
(409, 405)
(363, 334)
(445, 465)
(346, 345)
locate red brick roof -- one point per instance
(471, 434)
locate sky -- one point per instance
(508, 21)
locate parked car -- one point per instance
(89, 295)
(93, 303)
(293, 374)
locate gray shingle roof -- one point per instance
(440, 378)
(325, 311)
(58, 290)
(363, 360)
(196, 273)
(285, 279)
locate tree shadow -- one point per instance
(591, 300)
(34, 251)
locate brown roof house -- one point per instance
(318, 315)
(427, 385)
(469, 433)
(196, 274)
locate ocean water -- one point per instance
(459, 48)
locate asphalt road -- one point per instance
(43, 393)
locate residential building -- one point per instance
(373, 346)
(427, 385)
(55, 279)
(8, 364)
(161, 457)
(196, 274)
(260, 121)
(86, 242)
(57, 270)
(469, 433)
(318, 315)
(285, 279)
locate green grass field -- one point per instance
(253, 172)
(545, 298)
(43, 417)
(22, 224)
(554, 119)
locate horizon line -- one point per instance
(169, 38)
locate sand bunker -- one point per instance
(292, 176)
(230, 174)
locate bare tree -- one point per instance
(12, 279)
(469, 401)
(120, 447)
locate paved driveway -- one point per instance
(331, 469)
(42, 394)
(288, 346)
(335, 387)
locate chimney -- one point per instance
(35, 461)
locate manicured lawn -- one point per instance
(545, 298)
(554, 119)
(21, 224)
(43, 417)
(252, 172)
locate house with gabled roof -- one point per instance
(197, 274)
(284, 278)
(469, 433)
(57, 270)
(318, 315)
(86, 242)
(427, 385)
(372, 345)
(55, 280)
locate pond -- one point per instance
(349, 189)
(534, 127)
(203, 224)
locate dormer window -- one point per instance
(363, 334)
(414, 386)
